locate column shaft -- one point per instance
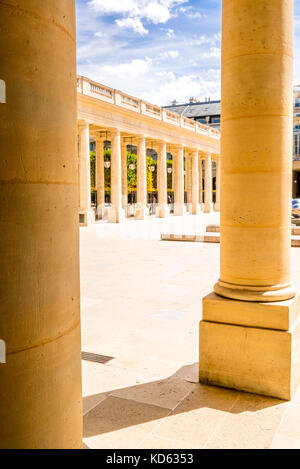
(195, 183)
(40, 383)
(142, 209)
(116, 213)
(163, 209)
(179, 207)
(208, 184)
(87, 215)
(124, 177)
(256, 180)
(100, 182)
(218, 178)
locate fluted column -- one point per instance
(142, 210)
(195, 183)
(116, 212)
(124, 177)
(40, 383)
(208, 205)
(218, 179)
(249, 336)
(163, 209)
(86, 214)
(100, 180)
(179, 207)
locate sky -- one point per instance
(156, 50)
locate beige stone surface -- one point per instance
(120, 423)
(40, 384)
(141, 305)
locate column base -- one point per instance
(255, 293)
(208, 208)
(253, 347)
(189, 208)
(101, 212)
(179, 210)
(217, 207)
(141, 213)
(116, 215)
(86, 217)
(162, 211)
(196, 209)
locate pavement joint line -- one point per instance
(171, 410)
(227, 413)
(289, 404)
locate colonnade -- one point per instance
(185, 177)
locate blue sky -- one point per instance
(156, 50)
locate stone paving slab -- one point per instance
(141, 306)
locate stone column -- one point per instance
(189, 183)
(142, 210)
(163, 208)
(195, 183)
(124, 177)
(86, 213)
(179, 207)
(249, 336)
(218, 177)
(100, 180)
(40, 383)
(116, 212)
(208, 205)
(200, 182)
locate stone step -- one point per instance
(213, 229)
(206, 238)
(216, 229)
(212, 237)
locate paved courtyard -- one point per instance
(141, 305)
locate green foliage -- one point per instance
(149, 175)
(131, 173)
(169, 176)
(93, 170)
(107, 172)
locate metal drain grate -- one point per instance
(94, 357)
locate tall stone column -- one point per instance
(189, 183)
(142, 210)
(40, 383)
(163, 208)
(86, 214)
(208, 205)
(200, 181)
(195, 183)
(100, 180)
(179, 207)
(249, 336)
(218, 177)
(116, 212)
(124, 177)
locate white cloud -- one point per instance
(133, 69)
(134, 11)
(182, 87)
(173, 54)
(213, 52)
(132, 23)
(170, 33)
